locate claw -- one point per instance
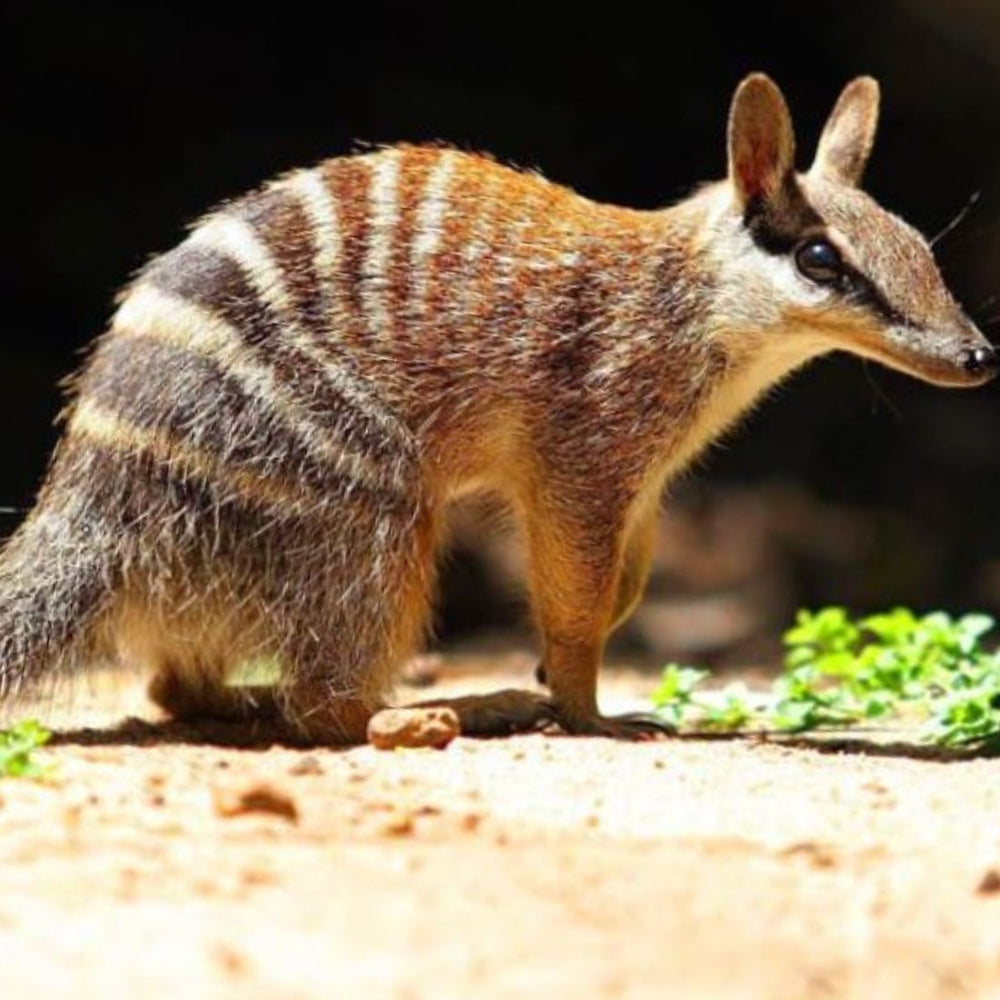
(631, 726)
(647, 721)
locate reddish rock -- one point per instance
(413, 727)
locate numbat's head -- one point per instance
(810, 258)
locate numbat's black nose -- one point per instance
(979, 360)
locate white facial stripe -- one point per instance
(781, 271)
(757, 287)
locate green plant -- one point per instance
(17, 746)
(841, 672)
(675, 695)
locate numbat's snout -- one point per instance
(259, 452)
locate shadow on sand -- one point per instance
(869, 743)
(261, 735)
(258, 735)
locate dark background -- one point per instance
(852, 485)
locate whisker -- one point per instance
(974, 237)
(988, 301)
(879, 392)
(957, 221)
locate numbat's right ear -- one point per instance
(849, 134)
(761, 140)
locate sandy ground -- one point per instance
(537, 866)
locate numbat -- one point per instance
(259, 454)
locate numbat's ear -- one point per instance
(761, 140)
(849, 133)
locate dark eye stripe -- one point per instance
(778, 229)
(863, 292)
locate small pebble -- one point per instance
(989, 883)
(260, 798)
(413, 727)
(307, 765)
(397, 825)
(471, 822)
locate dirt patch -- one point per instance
(532, 866)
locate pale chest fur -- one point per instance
(767, 360)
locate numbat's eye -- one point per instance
(819, 261)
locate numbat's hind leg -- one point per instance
(326, 720)
(343, 657)
(313, 715)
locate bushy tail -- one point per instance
(56, 582)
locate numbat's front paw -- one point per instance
(631, 726)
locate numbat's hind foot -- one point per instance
(300, 720)
(186, 699)
(499, 713)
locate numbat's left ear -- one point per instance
(847, 139)
(761, 140)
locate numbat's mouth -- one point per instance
(940, 360)
(966, 367)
